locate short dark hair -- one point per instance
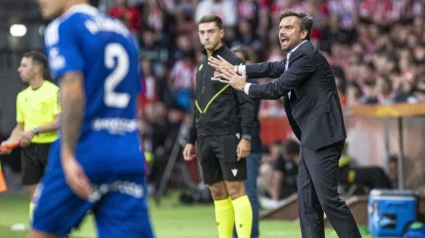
(242, 50)
(37, 58)
(305, 20)
(291, 147)
(212, 18)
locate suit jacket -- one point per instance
(313, 109)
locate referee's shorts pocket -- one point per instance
(230, 143)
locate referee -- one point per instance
(37, 111)
(222, 128)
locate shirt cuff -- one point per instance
(246, 88)
(241, 69)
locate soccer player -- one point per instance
(37, 111)
(97, 163)
(222, 128)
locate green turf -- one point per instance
(170, 220)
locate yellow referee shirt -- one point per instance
(35, 108)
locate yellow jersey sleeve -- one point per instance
(20, 118)
(56, 103)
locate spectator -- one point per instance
(370, 176)
(393, 170)
(345, 13)
(246, 36)
(285, 171)
(150, 85)
(131, 14)
(265, 174)
(278, 176)
(151, 49)
(225, 9)
(159, 20)
(248, 10)
(182, 80)
(183, 46)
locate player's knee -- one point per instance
(219, 195)
(218, 191)
(236, 189)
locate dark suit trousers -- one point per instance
(318, 193)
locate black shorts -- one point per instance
(34, 160)
(218, 159)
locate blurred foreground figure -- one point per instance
(97, 163)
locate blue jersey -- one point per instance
(105, 52)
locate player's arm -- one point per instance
(73, 104)
(188, 152)
(16, 134)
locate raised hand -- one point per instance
(230, 77)
(220, 63)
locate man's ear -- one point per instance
(304, 34)
(222, 33)
(37, 68)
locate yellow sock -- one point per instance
(225, 217)
(243, 216)
(31, 211)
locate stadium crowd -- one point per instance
(373, 63)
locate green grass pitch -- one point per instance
(170, 220)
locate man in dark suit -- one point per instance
(307, 83)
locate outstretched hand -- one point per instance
(220, 63)
(230, 77)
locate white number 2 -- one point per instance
(111, 97)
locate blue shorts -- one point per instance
(118, 205)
